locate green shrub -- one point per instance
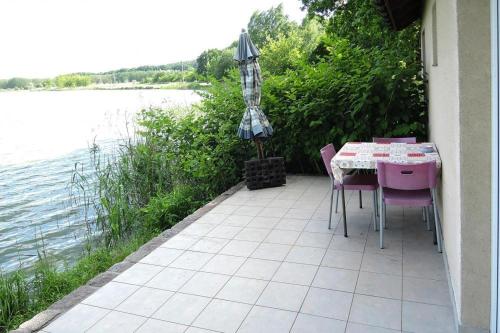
(166, 209)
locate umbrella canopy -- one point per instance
(254, 123)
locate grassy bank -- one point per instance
(24, 294)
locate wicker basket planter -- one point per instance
(267, 172)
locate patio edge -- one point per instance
(43, 318)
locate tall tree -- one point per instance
(268, 25)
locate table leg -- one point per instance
(344, 212)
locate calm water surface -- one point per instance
(42, 135)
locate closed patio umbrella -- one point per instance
(254, 125)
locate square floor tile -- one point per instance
(287, 237)
(342, 259)
(258, 269)
(306, 323)
(424, 265)
(238, 220)
(283, 296)
(426, 291)
(339, 242)
(198, 330)
(161, 256)
(327, 303)
(273, 212)
(224, 231)
(314, 239)
(380, 285)
(212, 218)
(223, 316)
(281, 203)
(264, 222)
(392, 247)
(376, 311)
(287, 223)
(295, 273)
(262, 319)
(198, 229)
(300, 213)
(252, 234)
(377, 263)
(156, 326)
(110, 295)
(336, 279)
(271, 251)
(306, 255)
(209, 245)
(191, 260)
(248, 211)
(418, 317)
(138, 274)
(182, 308)
(242, 290)
(320, 226)
(223, 264)
(360, 328)
(145, 301)
(180, 241)
(239, 248)
(225, 209)
(290, 194)
(76, 320)
(205, 284)
(117, 322)
(257, 202)
(170, 279)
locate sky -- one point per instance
(44, 38)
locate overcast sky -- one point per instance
(43, 38)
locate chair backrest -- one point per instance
(411, 139)
(327, 153)
(407, 176)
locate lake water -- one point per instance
(42, 135)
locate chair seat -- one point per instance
(407, 198)
(359, 183)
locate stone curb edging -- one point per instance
(43, 318)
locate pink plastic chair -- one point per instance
(395, 140)
(354, 182)
(411, 185)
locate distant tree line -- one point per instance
(174, 72)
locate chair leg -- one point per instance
(331, 205)
(427, 218)
(360, 200)
(424, 215)
(436, 220)
(375, 203)
(381, 218)
(344, 213)
(337, 202)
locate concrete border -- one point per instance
(43, 318)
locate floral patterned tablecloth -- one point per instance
(364, 155)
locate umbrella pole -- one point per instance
(260, 150)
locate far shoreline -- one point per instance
(125, 86)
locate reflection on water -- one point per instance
(42, 136)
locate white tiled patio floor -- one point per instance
(265, 261)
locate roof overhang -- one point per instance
(400, 13)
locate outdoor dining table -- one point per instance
(365, 155)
